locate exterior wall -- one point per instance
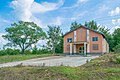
(105, 46)
(70, 35)
(99, 42)
(82, 36)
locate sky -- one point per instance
(59, 12)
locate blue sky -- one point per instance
(60, 12)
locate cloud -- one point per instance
(25, 9)
(77, 15)
(79, 2)
(4, 22)
(45, 6)
(57, 21)
(114, 12)
(115, 21)
(76, 4)
(2, 41)
(116, 27)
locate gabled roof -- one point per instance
(86, 28)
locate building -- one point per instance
(85, 41)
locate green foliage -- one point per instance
(74, 26)
(54, 35)
(24, 34)
(41, 51)
(92, 25)
(116, 36)
(59, 47)
(117, 48)
(9, 51)
(118, 59)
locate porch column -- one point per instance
(88, 48)
(74, 48)
(85, 49)
(70, 48)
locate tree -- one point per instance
(92, 25)
(24, 34)
(59, 47)
(54, 35)
(116, 38)
(74, 25)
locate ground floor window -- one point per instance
(95, 47)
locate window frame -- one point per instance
(95, 46)
(94, 39)
(69, 40)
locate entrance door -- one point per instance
(81, 50)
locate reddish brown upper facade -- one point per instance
(85, 41)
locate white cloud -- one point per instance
(115, 21)
(78, 15)
(116, 27)
(2, 41)
(79, 2)
(114, 12)
(45, 6)
(57, 21)
(24, 9)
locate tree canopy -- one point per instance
(74, 25)
(24, 34)
(54, 37)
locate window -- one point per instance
(69, 39)
(94, 46)
(94, 39)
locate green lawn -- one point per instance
(102, 68)
(11, 58)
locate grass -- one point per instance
(102, 68)
(11, 58)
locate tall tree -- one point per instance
(24, 34)
(54, 35)
(74, 25)
(116, 37)
(59, 47)
(92, 25)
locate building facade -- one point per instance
(85, 41)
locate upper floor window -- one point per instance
(94, 39)
(69, 39)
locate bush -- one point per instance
(117, 48)
(118, 60)
(9, 51)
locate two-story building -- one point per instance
(85, 41)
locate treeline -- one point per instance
(23, 36)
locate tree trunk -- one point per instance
(23, 51)
(53, 50)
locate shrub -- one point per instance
(118, 60)
(117, 48)
(9, 51)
